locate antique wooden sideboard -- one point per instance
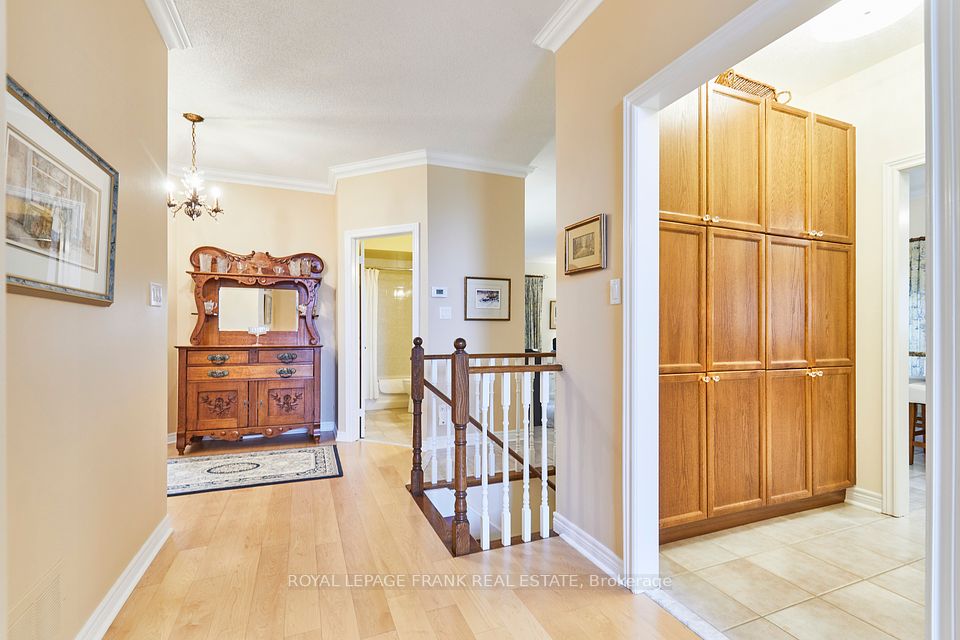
(232, 382)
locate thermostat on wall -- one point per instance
(439, 292)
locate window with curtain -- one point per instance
(533, 310)
(918, 308)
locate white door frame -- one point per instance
(349, 287)
(760, 24)
(895, 325)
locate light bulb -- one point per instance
(215, 193)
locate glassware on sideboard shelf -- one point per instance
(206, 262)
(277, 269)
(223, 265)
(294, 267)
(305, 267)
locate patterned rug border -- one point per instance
(336, 456)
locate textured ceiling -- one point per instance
(292, 87)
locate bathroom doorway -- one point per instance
(386, 334)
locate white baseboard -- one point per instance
(103, 616)
(588, 546)
(172, 438)
(865, 499)
(328, 426)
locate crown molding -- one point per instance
(564, 23)
(167, 18)
(424, 157)
(263, 180)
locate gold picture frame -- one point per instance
(585, 245)
(553, 314)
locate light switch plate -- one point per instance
(156, 294)
(438, 292)
(446, 313)
(615, 291)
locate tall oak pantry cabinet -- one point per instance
(757, 269)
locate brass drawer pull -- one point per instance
(286, 357)
(218, 373)
(218, 358)
(286, 372)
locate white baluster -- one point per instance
(492, 461)
(447, 412)
(525, 511)
(505, 526)
(433, 423)
(486, 383)
(544, 494)
(475, 412)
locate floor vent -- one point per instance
(37, 617)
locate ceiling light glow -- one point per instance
(851, 19)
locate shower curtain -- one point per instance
(371, 355)
(533, 309)
(918, 309)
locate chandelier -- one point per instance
(194, 202)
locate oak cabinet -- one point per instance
(683, 272)
(832, 429)
(735, 438)
(683, 437)
(832, 304)
(788, 302)
(787, 167)
(834, 179)
(735, 300)
(734, 167)
(681, 158)
(787, 427)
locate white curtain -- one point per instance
(370, 311)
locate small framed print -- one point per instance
(553, 314)
(585, 245)
(486, 298)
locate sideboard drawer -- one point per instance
(216, 358)
(286, 356)
(250, 372)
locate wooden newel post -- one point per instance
(460, 395)
(416, 394)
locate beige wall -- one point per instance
(622, 44)
(549, 270)
(87, 413)
(476, 229)
(280, 221)
(886, 104)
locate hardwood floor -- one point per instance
(224, 573)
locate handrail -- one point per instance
(490, 435)
(517, 368)
(486, 356)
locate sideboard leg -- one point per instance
(181, 442)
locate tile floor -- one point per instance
(390, 426)
(836, 572)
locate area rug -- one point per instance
(186, 475)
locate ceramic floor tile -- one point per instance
(696, 553)
(818, 620)
(761, 629)
(708, 602)
(805, 571)
(745, 541)
(753, 586)
(907, 581)
(896, 615)
(911, 527)
(847, 555)
(669, 568)
(890, 546)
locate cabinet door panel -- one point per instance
(735, 435)
(735, 300)
(787, 166)
(734, 159)
(683, 299)
(683, 434)
(281, 402)
(787, 447)
(832, 306)
(681, 160)
(788, 301)
(834, 179)
(832, 429)
(217, 405)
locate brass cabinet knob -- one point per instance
(715, 219)
(812, 233)
(716, 378)
(819, 234)
(705, 378)
(706, 218)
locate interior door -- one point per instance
(787, 446)
(735, 441)
(683, 454)
(832, 428)
(362, 367)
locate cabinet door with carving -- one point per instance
(284, 402)
(217, 405)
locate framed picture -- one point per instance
(60, 206)
(486, 298)
(553, 314)
(585, 245)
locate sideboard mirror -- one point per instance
(242, 308)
